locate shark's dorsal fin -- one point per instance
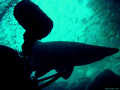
(68, 72)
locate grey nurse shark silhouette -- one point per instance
(60, 55)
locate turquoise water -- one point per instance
(95, 22)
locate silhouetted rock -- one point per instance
(107, 79)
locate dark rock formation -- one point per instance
(107, 80)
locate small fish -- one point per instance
(95, 41)
(103, 34)
(118, 58)
(85, 40)
(85, 30)
(114, 45)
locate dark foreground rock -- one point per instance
(107, 80)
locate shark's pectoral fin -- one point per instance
(68, 72)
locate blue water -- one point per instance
(94, 22)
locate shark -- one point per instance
(60, 55)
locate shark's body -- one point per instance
(58, 55)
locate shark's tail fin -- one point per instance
(32, 18)
(36, 23)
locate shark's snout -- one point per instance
(111, 51)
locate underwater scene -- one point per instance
(92, 23)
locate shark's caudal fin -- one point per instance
(36, 23)
(32, 18)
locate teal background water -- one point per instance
(95, 22)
